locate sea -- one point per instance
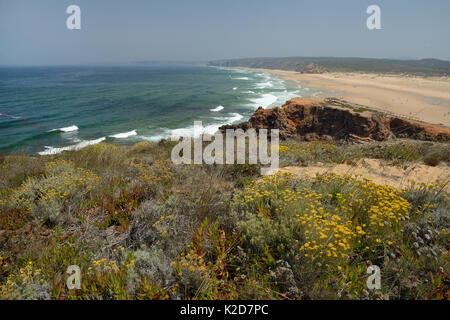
(46, 110)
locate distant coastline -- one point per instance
(423, 67)
(416, 97)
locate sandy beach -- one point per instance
(420, 98)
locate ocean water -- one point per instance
(47, 110)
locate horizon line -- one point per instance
(176, 61)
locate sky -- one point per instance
(121, 32)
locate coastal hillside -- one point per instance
(140, 227)
(424, 67)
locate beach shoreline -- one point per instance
(425, 99)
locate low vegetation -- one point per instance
(140, 227)
(294, 152)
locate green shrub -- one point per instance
(142, 146)
(60, 187)
(107, 160)
(433, 158)
(15, 169)
(399, 152)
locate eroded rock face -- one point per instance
(325, 119)
(403, 128)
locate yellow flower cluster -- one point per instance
(103, 262)
(265, 187)
(11, 289)
(102, 151)
(362, 213)
(60, 181)
(159, 171)
(162, 224)
(326, 234)
(190, 262)
(109, 265)
(103, 147)
(378, 206)
(424, 186)
(141, 146)
(284, 149)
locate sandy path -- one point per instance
(426, 99)
(381, 174)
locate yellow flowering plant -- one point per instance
(323, 221)
(60, 185)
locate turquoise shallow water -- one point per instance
(50, 109)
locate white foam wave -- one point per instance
(240, 78)
(66, 129)
(124, 134)
(263, 85)
(232, 69)
(264, 75)
(235, 88)
(286, 95)
(194, 131)
(240, 70)
(217, 109)
(264, 101)
(234, 117)
(188, 132)
(78, 146)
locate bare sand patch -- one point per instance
(380, 173)
(426, 99)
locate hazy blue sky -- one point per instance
(119, 31)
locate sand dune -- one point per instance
(425, 99)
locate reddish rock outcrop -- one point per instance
(325, 119)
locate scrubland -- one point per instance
(140, 227)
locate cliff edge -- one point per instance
(333, 119)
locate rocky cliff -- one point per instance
(331, 119)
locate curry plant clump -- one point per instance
(60, 186)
